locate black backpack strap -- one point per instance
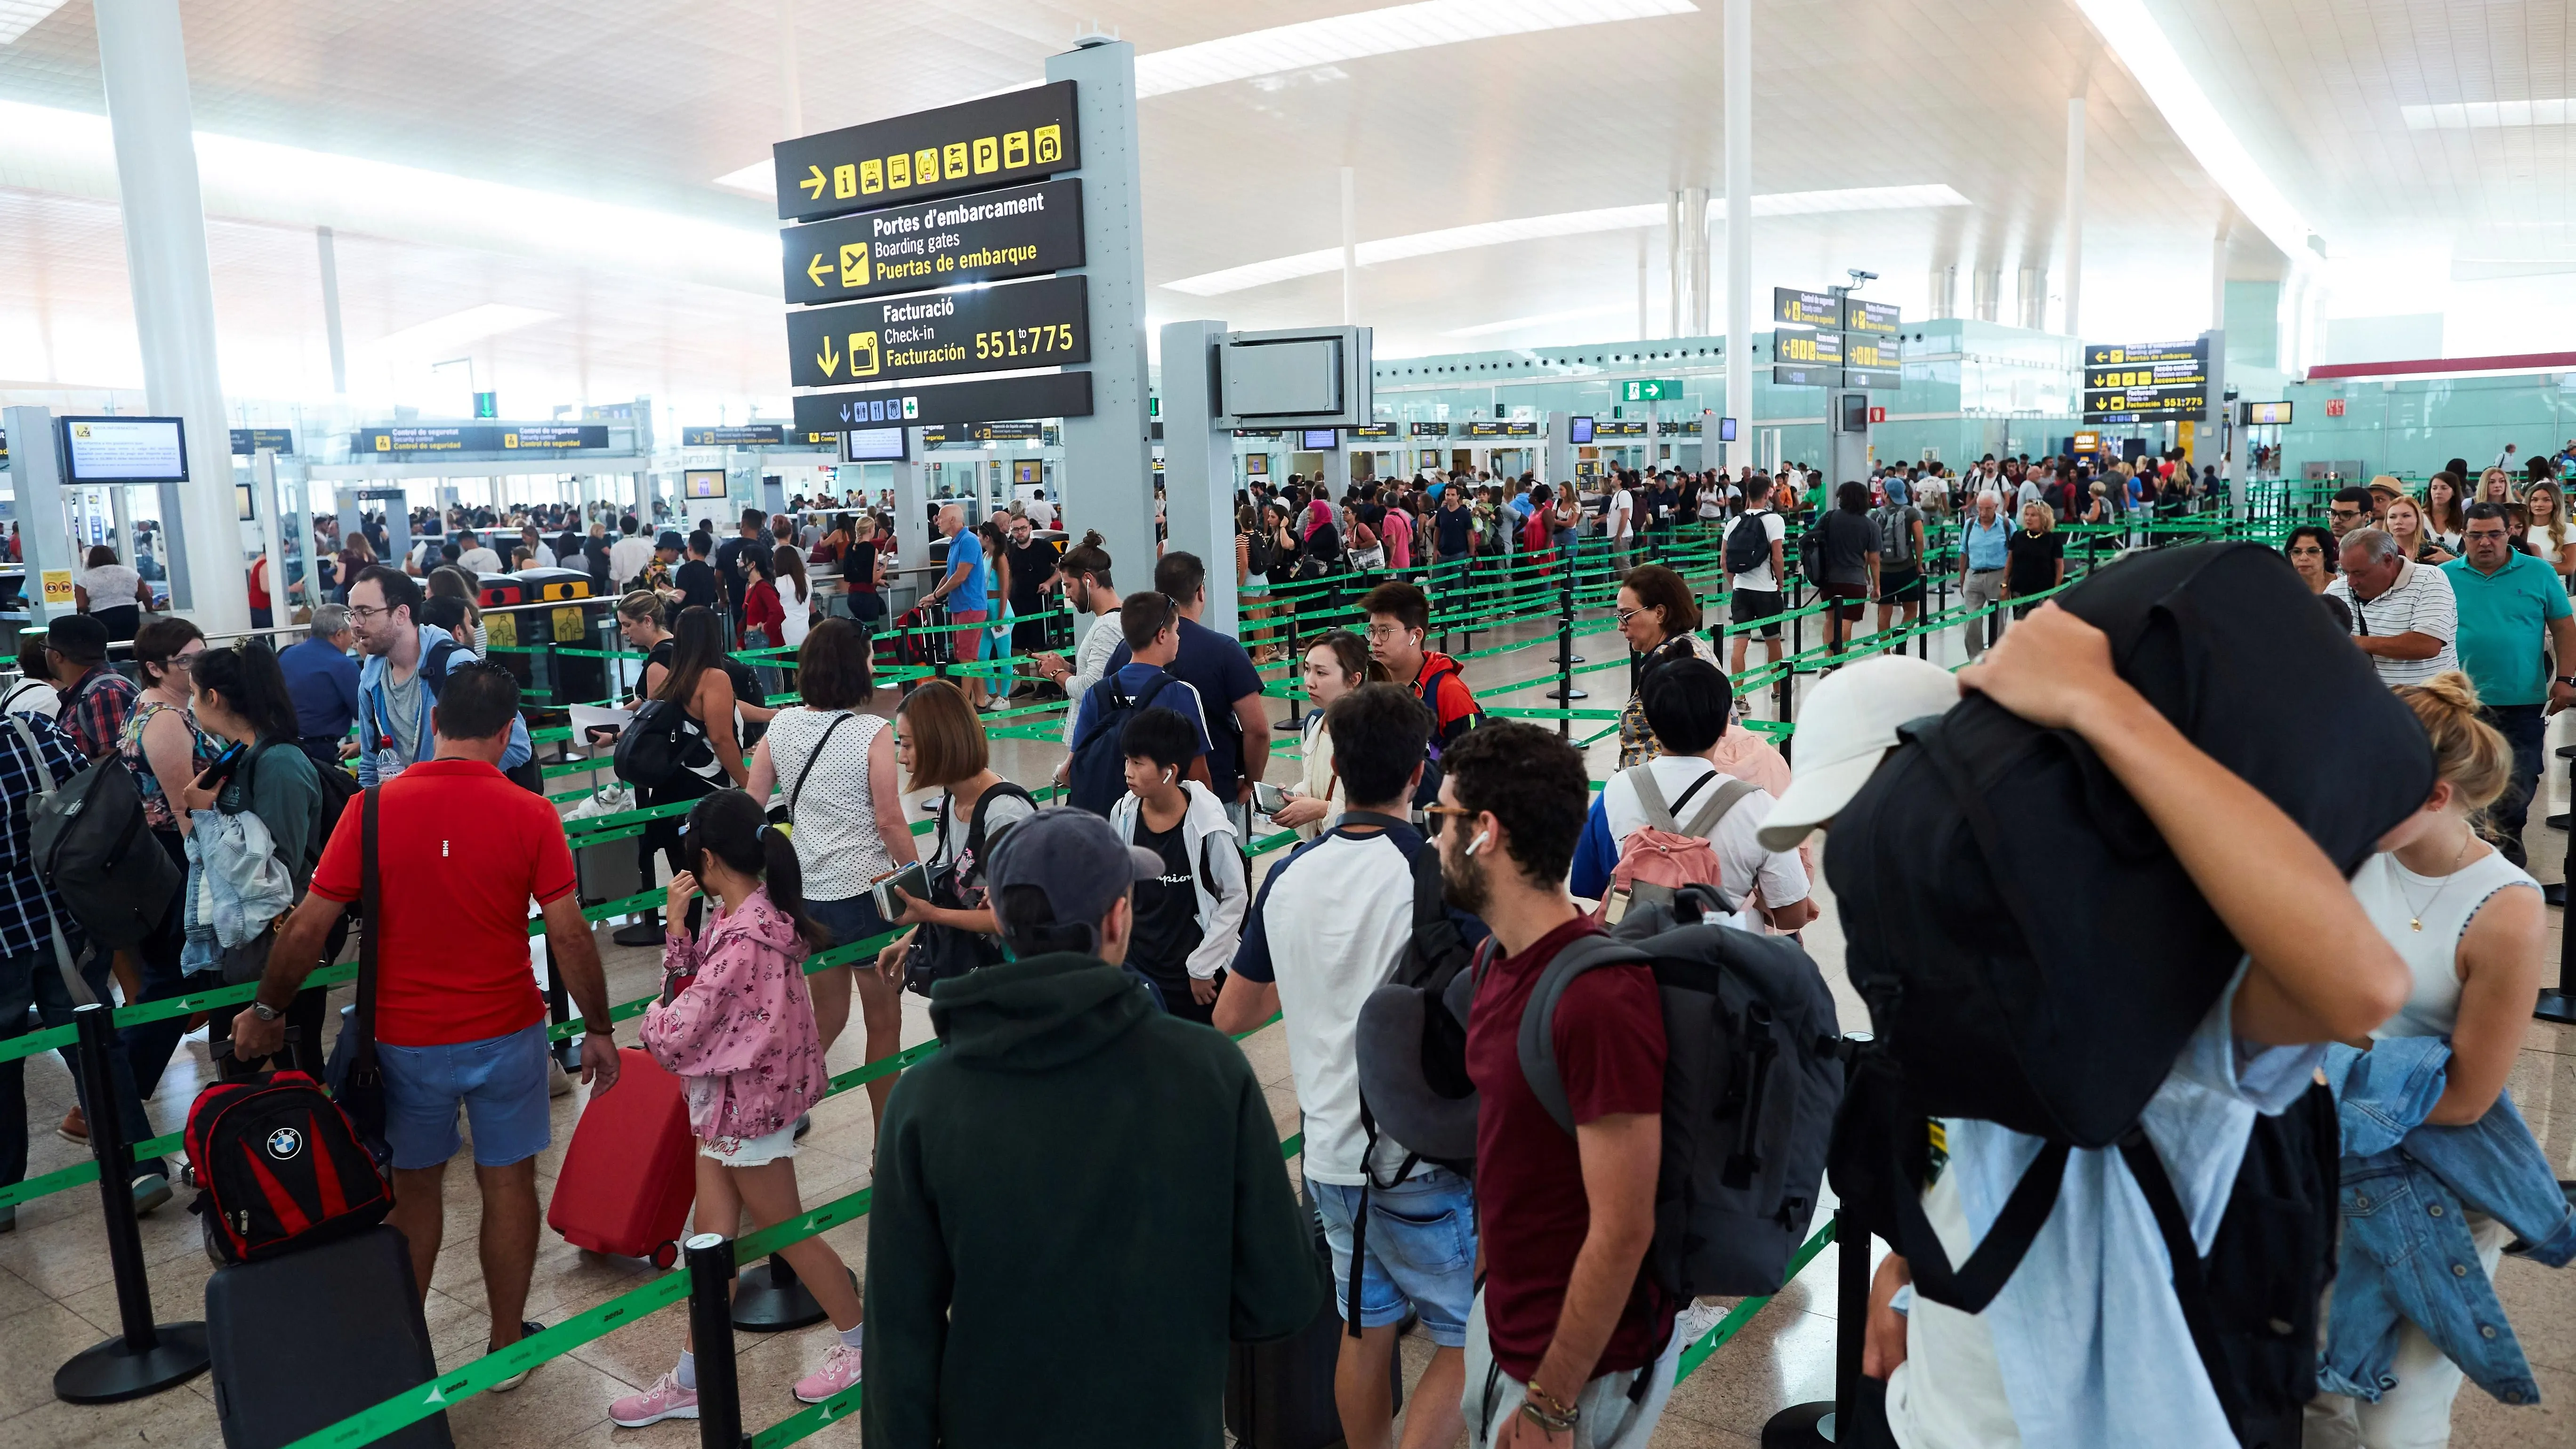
(433, 663)
(983, 804)
(1538, 1017)
(362, 1062)
(1974, 1284)
(798, 789)
(2190, 1281)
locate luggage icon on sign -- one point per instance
(863, 354)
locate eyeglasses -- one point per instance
(2345, 512)
(1627, 614)
(361, 613)
(1437, 811)
(1386, 633)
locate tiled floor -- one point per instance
(57, 1296)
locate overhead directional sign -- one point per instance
(480, 438)
(1018, 232)
(1806, 309)
(1873, 361)
(1795, 347)
(1882, 318)
(1806, 375)
(1430, 430)
(739, 435)
(993, 329)
(250, 440)
(973, 146)
(1651, 389)
(2146, 381)
(1042, 395)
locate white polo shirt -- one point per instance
(2420, 602)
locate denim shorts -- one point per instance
(852, 918)
(500, 1081)
(1421, 1252)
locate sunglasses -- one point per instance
(1437, 812)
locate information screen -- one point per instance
(2271, 414)
(1579, 430)
(125, 450)
(702, 483)
(2145, 381)
(972, 146)
(873, 445)
(1316, 439)
(980, 238)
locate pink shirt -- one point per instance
(741, 1035)
(1398, 531)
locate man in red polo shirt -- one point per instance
(1567, 1331)
(459, 1021)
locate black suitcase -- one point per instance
(303, 1341)
(1279, 1395)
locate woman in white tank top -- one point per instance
(2470, 926)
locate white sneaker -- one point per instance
(1695, 1320)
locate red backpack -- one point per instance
(278, 1167)
(1666, 854)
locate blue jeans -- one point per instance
(501, 1083)
(2523, 726)
(1420, 1253)
(32, 977)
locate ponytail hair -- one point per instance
(2467, 751)
(732, 827)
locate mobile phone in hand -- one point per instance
(221, 768)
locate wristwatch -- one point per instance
(2568, 679)
(264, 1011)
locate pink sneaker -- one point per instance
(665, 1400)
(840, 1370)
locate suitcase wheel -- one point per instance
(665, 1254)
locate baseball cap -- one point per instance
(79, 636)
(1075, 858)
(1849, 723)
(669, 539)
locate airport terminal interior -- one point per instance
(993, 725)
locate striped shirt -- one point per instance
(2420, 602)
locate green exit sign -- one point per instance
(487, 404)
(1651, 389)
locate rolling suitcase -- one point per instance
(302, 1341)
(631, 1172)
(1279, 1394)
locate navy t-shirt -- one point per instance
(1453, 525)
(1216, 666)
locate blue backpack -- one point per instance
(1098, 776)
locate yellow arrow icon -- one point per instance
(815, 271)
(828, 360)
(813, 184)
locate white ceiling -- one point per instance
(640, 104)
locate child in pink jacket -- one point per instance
(736, 1025)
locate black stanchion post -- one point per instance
(1813, 1425)
(710, 1258)
(1565, 693)
(145, 1357)
(2558, 1004)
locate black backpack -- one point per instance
(1753, 1075)
(941, 952)
(89, 841)
(1098, 773)
(657, 749)
(338, 787)
(1748, 542)
(2059, 1014)
(1262, 554)
(1411, 1037)
(527, 775)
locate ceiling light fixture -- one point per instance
(17, 17)
(760, 179)
(1387, 31)
(2488, 115)
(2134, 37)
(1563, 223)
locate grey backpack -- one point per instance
(1753, 1075)
(90, 843)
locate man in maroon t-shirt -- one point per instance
(1567, 1322)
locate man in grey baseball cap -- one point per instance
(1078, 1195)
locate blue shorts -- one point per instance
(1421, 1253)
(501, 1083)
(851, 919)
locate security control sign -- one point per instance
(1018, 232)
(996, 329)
(1806, 309)
(739, 435)
(975, 146)
(2145, 381)
(479, 438)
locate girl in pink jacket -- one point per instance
(736, 1025)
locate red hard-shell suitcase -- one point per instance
(631, 1172)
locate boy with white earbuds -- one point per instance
(1190, 918)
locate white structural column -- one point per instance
(1695, 256)
(2218, 276)
(1644, 329)
(1350, 249)
(791, 90)
(2075, 217)
(1198, 466)
(1739, 231)
(327, 252)
(145, 70)
(1672, 264)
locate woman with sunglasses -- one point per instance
(1660, 620)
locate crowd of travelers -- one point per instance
(1080, 1195)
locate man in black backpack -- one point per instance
(399, 679)
(1566, 1331)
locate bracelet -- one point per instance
(1553, 1403)
(1562, 1423)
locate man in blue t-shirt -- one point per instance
(1152, 642)
(961, 588)
(2517, 641)
(1229, 690)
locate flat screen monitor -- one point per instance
(1256, 465)
(702, 483)
(873, 445)
(1317, 439)
(1726, 430)
(125, 450)
(1579, 431)
(1855, 407)
(2271, 414)
(242, 506)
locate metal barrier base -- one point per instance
(1800, 1426)
(111, 1373)
(768, 1298)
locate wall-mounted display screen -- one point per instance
(873, 445)
(1317, 439)
(2272, 414)
(1579, 430)
(1726, 430)
(702, 483)
(125, 450)
(1256, 465)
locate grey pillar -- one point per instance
(1198, 466)
(1985, 292)
(1739, 236)
(912, 506)
(328, 253)
(265, 499)
(2075, 217)
(145, 72)
(36, 492)
(2032, 302)
(1695, 253)
(1556, 455)
(1109, 459)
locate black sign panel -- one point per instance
(1430, 430)
(1878, 353)
(480, 438)
(1874, 379)
(1807, 347)
(1022, 431)
(1879, 318)
(975, 146)
(1486, 430)
(997, 329)
(1806, 309)
(1045, 395)
(739, 435)
(1619, 428)
(1806, 376)
(1670, 427)
(1520, 430)
(2145, 381)
(247, 441)
(985, 237)
(1373, 430)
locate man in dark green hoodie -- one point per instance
(1080, 1201)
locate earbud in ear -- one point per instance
(1483, 839)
